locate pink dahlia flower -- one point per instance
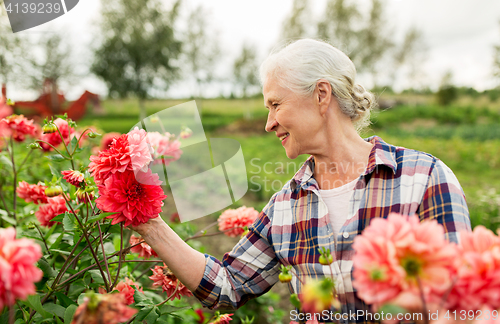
(108, 139)
(135, 198)
(163, 277)
(393, 253)
(32, 193)
(19, 126)
(73, 177)
(128, 152)
(237, 219)
(103, 309)
(125, 288)
(18, 271)
(54, 138)
(144, 250)
(55, 206)
(162, 145)
(478, 283)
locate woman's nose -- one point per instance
(271, 122)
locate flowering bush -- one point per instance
(74, 260)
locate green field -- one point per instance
(465, 137)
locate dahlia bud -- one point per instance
(318, 295)
(93, 134)
(285, 275)
(84, 196)
(10, 102)
(326, 257)
(49, 128)
(53, 191)
(34, 146)
(186, 132)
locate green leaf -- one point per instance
(51, 230)
(59, 218)
(152, 316)
(9, 220)
(96, 275)
(69, 313)
(57, 242)
(52, 308)
(47, 270)
(169, 309)
(143, 313)
(65, 300)
(99, 217)
(392, 308)
(54, 171)
(34, 302)
(56, 157)
(73, 143)
(60, 251)
(6, 161)
(69, 222)
(141, 299)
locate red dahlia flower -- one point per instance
(125, 288)
(73, 177)
(128, 152)
(54, 207)
(163, 277)
(32, 193)
(135, 198)
(237, 219)
(144, 250)
(108, 139)
(19, 126)
(18, 270)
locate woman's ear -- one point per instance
(323, 95)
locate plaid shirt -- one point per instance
(295, 223)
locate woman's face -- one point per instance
(295, 119)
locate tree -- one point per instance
(337, 26)
(375, 41)
(496, 61)
(410, 53)
(200, 49)
(295, 25)
(138, 50)
(245, 69)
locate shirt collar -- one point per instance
(382, 154)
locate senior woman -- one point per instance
(315, 108)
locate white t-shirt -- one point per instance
(337, 201)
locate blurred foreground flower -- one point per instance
(478, 283)
(237, 219)
(162, 276)
(103, 309)
(399, 254)
(18, 270)
(144, 250)
(222, 318)
(318, 295)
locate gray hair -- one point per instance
(300, 65)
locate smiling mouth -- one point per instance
(284, 136)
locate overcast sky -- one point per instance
(459, 34)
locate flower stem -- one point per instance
(43, 239)
(103, 252)
(213, 234)
(67, 150)
(426, 319)
(60, 153)
(88, 243)
(14, 184)
(4, 203)
(119, 257)
(78, 142)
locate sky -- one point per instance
(459, 36)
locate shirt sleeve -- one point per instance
(248, 271)
(444, 201)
